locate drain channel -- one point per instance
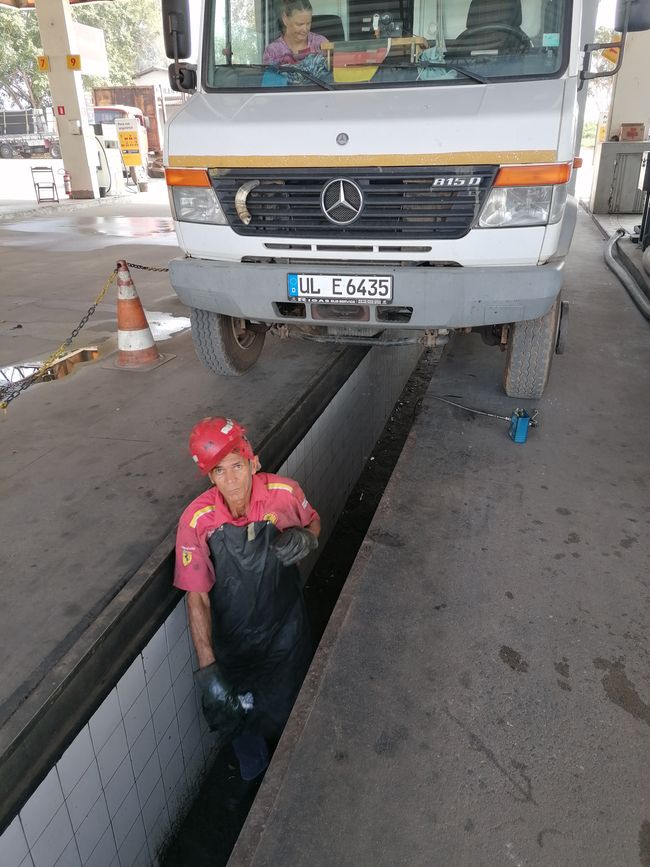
(18, 373)
(209, 832)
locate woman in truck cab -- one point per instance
(297, 40)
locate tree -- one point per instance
(21, 83)
(600, 89)
(133, 35)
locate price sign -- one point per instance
(43, 63)
(129, 139)
(73, 61)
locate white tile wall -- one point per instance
(134, 849)
(142, 748)
(39, 811)
(84, 794)
(132, 771)
(93, 828)
(70, 856)
(58, 833)
(123, 820)
(105, 852)
(13, 845)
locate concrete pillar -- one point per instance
(630, 94)
(78, 146)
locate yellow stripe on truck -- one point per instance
(455, 158)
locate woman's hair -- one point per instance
(290, 6)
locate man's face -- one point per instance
(233, 478)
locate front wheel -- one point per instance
(225, 345)
(55, 151)
(530, 350)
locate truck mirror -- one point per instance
(182, 77)
(176, 28)
(639, 16)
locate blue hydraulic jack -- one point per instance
(520, 421)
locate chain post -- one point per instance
(49, 361)
(29, 380)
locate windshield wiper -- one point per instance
(290, 67)
(279, 67)
(431, 64)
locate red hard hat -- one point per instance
(214, 438)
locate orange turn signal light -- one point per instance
(577, 162)
(533, 176)
(187, 178)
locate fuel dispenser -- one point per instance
(110, 168)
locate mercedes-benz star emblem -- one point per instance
(341, 201)
(342, 138)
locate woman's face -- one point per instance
(297, 25)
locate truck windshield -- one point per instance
(255, 44)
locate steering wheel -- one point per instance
(471, 32)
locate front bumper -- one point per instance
(451, 297)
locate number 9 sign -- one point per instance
(74, 61)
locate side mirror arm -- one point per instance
(182, 76)
(585, 74)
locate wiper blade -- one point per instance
(282, 67)
(475, 76)
(431, 64)
(291, 67)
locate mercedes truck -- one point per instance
(407, 176)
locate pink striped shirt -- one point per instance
(279, 52)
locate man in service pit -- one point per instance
(236, 549)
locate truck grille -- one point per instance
(422, 202)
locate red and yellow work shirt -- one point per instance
(273, 498)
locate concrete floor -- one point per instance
(482, 694)
(95, 469)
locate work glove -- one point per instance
(222, 708)
(293, 544)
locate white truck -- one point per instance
(409, 178)
(26, 133)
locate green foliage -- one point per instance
(589, 134)
(21, 83)
(133, 42)
(133, 34)
(600, 89)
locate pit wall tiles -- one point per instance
(129, 775)
(132, 772)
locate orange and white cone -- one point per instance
(136, 346)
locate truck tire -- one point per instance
(530, 350)
(226, 346)
(6, 151)
(55, 151)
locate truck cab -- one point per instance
(408, 177)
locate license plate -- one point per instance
(342, 288)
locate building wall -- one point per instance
(630, 100)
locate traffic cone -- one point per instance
(137, 349)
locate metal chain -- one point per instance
(30, 380)
(146, 268)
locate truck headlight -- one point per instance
(523, 206)
(196, 205)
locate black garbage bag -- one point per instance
(260, 630)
